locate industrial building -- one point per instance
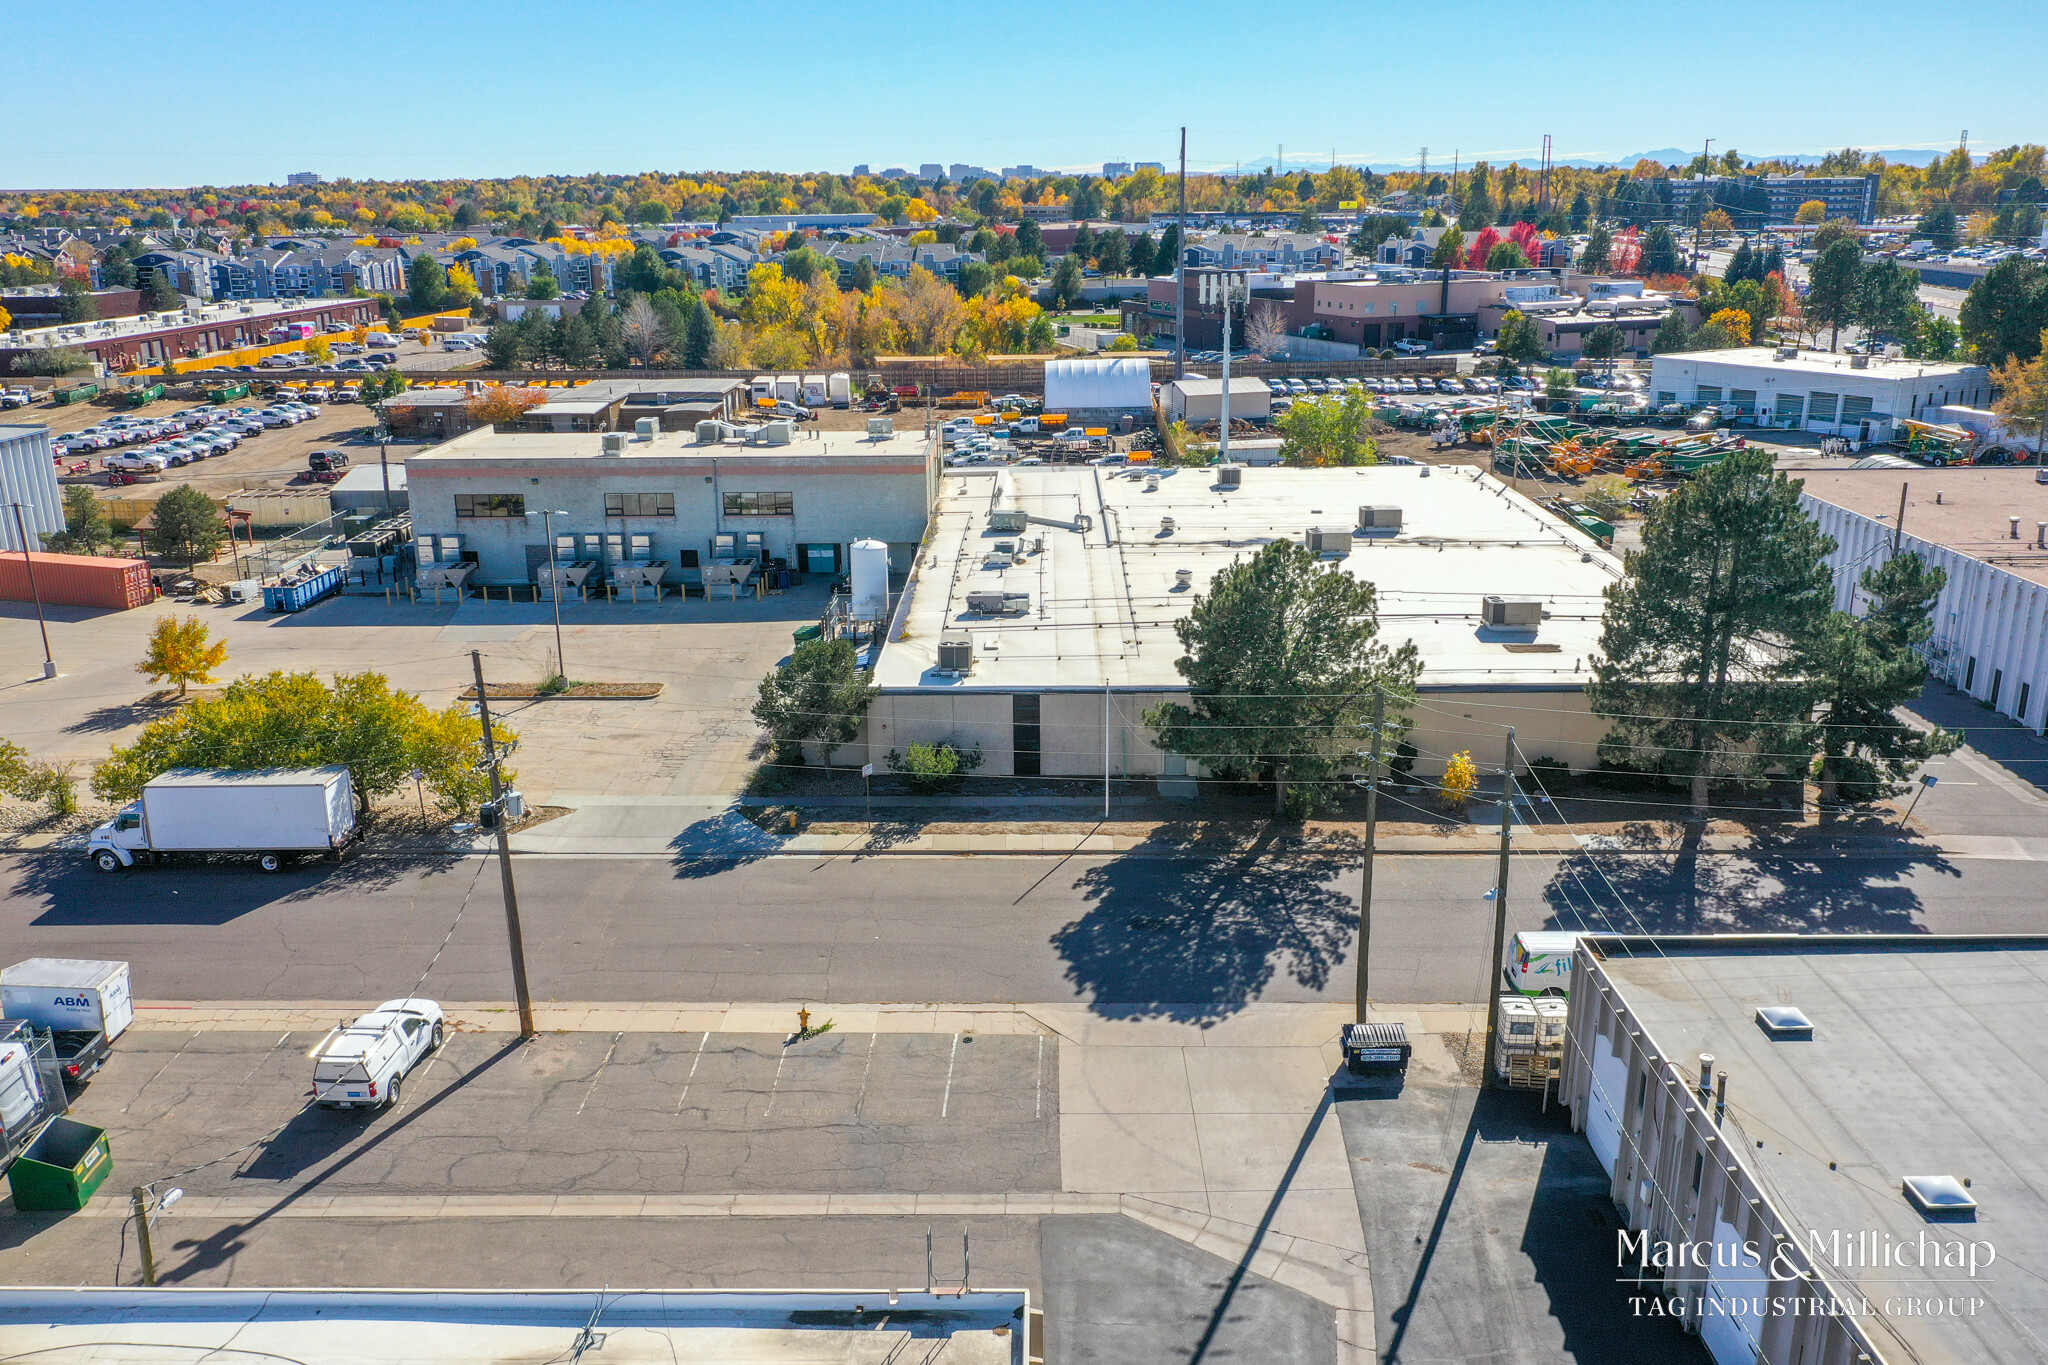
(1099, 392)
(1822, 1148)
(1039, 621)
(28, 477)
(1860, 397)
(964, 1325)
(151, 338)
(686, 500)
(1196, 400)
(1988, 528)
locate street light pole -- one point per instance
(512, 931)
(547, 521)
(28, 562)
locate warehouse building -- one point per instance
(652, 496)
(1988, 528)
(151, 338)
(28, 478)
(1860, 397)
(1039, 621)
(1099, 392)
(1823, 1149)
(1196, 400)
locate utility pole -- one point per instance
(1228, 294)
(1500, 902)
(1899, 525)
(140, 1201)
(1699, 202)
(518, 941)
(28, 562)
(1372, 830)
(1180, 284)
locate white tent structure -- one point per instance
(1123, 384)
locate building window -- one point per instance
(758, 505)
(1969, 675)
(1997, 680)
(2019, 712)
(639, 504)
(490, 504)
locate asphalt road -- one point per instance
(1172, 931)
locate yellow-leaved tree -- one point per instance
(319, 349)
(1736, 321)
(1461, 779)
(1810, 213)
(182, 650)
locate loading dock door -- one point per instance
(818, 558)
(1604, 1104)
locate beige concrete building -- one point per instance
(1039, 620)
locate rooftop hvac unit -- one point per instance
(881, 427)
(776, 433)
(711, 432)
(1511, 611)
(1321, 542)
(956, 654)
(999, 603)
(1008, 519)
(1229, 476)
(613, 443)
(1379, 518)
(1859, 362)
(646, 427)
(1788, 353)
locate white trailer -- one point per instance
(65, 994)
(813, 395)
(839, 389)
(270, 814)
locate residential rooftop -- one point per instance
(1973, 516)
(1103, 602)
(1928, 1057)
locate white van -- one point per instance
(361, 1064)
(1541, 963)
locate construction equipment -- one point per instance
(965, 398)
(1939, 446)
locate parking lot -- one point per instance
(593, 1113)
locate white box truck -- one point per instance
(85, 1005)
(839, 387)
(272, 815)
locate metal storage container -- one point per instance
(304, 593)
(76, 581)
(62, 1167)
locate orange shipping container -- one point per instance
(77, 581)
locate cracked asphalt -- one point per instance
(593, 1113)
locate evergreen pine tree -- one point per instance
(1871, 666)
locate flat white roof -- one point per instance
(1817, 363)
(460, 1327)
(369, 478)
(809, 443)
(226, 312)
(1103, 603)
(1195, 385)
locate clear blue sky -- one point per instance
(180, 93)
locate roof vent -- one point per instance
(1183, 579)
(1784, 1021)
(1939, 1196)
(1229, 476)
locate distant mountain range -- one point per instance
(1676, 156)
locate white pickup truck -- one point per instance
(362, 1064)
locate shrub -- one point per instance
(935, 768)
(1461, 779)
(1548, 774)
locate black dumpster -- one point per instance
(1370, 1048)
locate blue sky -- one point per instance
(231, 92)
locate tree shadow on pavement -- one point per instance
(1781, 886)
(1198, 936)
(718, 843)
(106, 719)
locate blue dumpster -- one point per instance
(304, 593)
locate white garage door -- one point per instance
(1603, 1106)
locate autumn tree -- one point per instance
(1319, 432)
(2022, 402)
(501, 403)
(1518, 340)
(1283, 663)
(182, 650)
(1811, 212)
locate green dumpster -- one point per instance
(807, 633)
(62, 1167)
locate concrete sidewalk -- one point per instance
(693, 830)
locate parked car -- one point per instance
(364, 1063)
(138, 462)
(1410, 346)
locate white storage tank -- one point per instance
(839, 388)
(869, 562)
